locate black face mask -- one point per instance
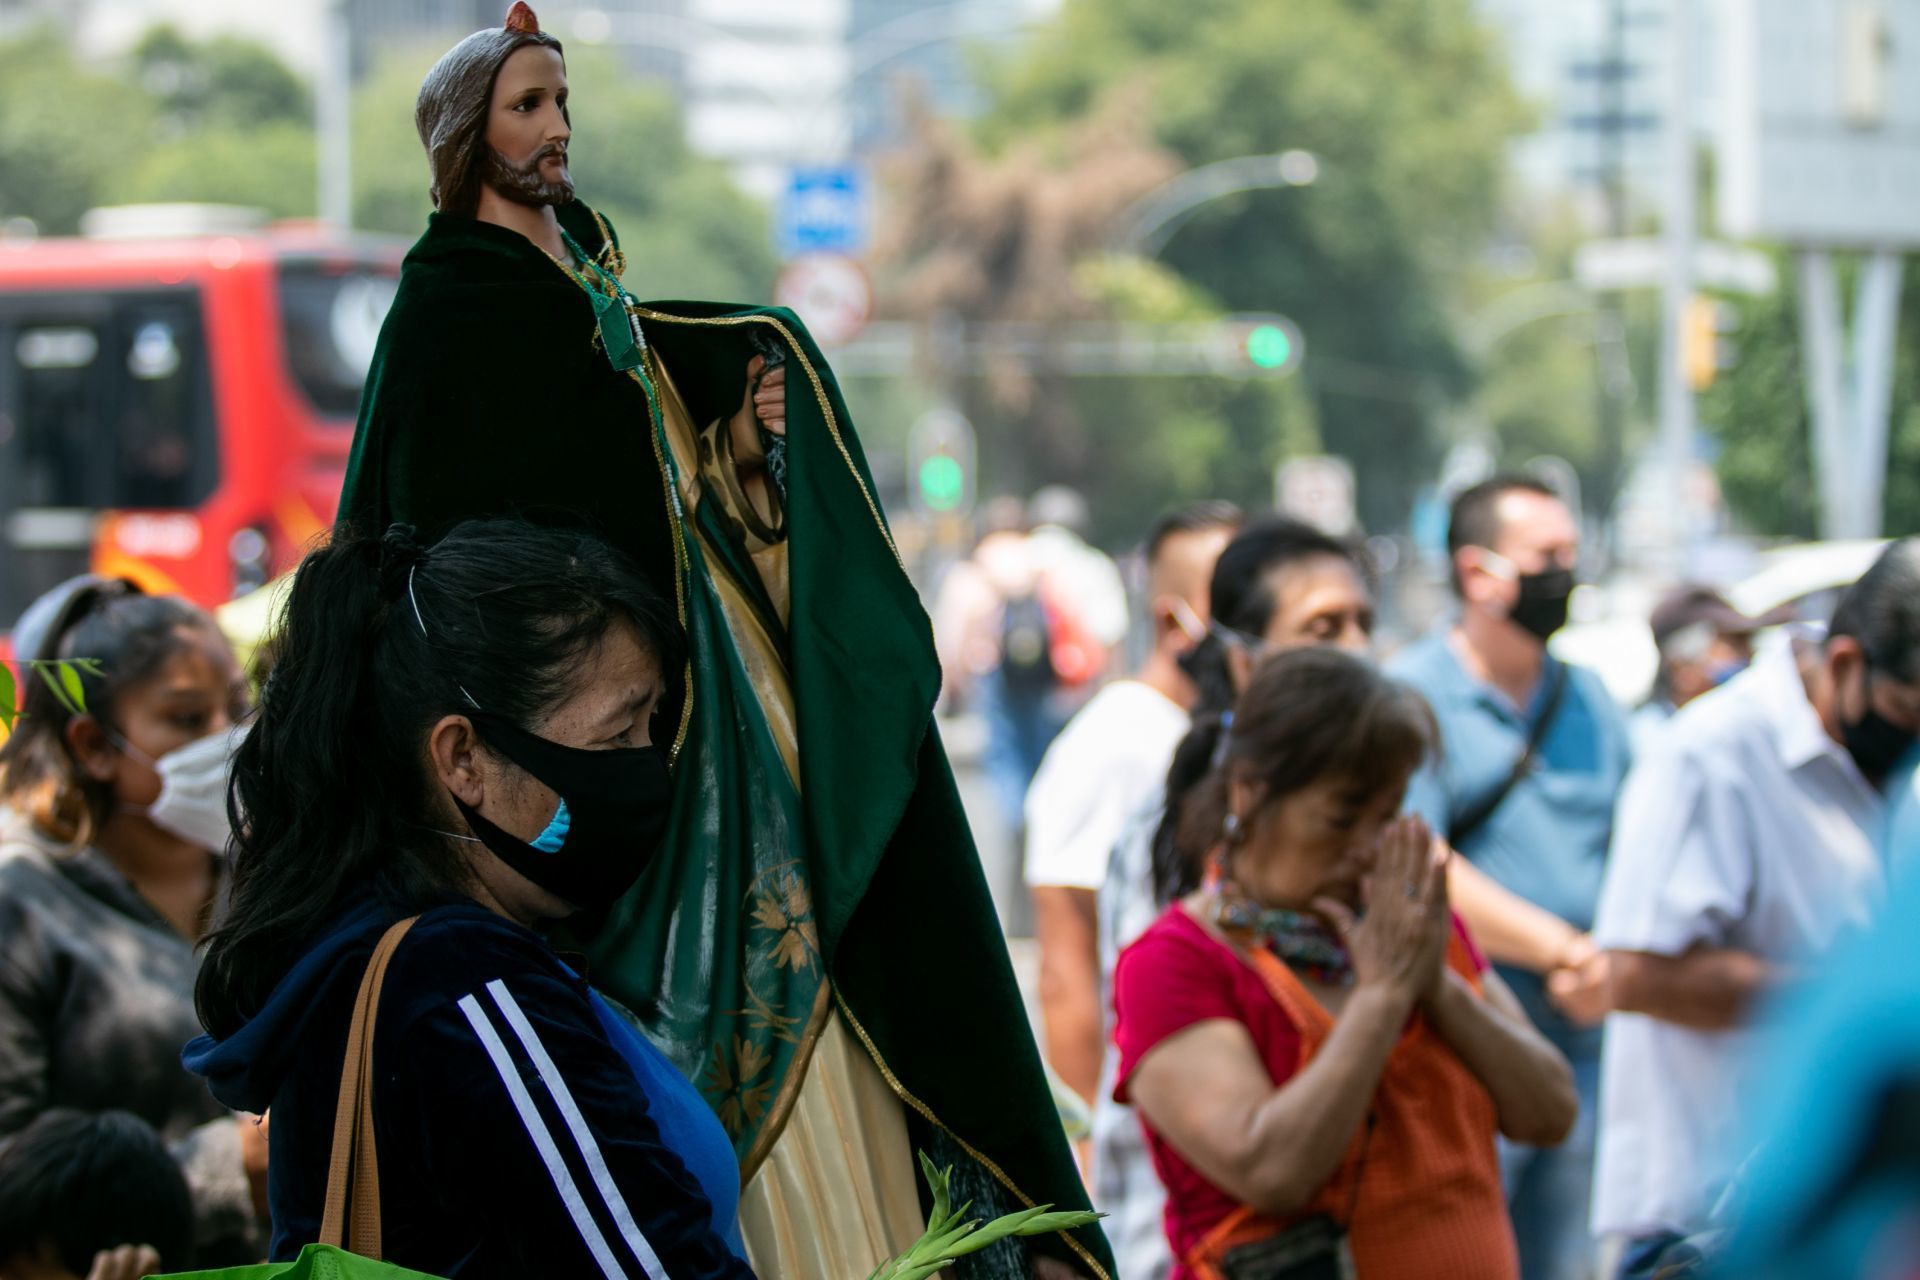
(1875, 742)
(613, 812)
(1541, 608)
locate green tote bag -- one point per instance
(349, 1247)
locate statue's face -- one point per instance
(527, 129)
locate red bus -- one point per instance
(177, 396)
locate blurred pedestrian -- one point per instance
(1534, 752)
(1059, 610)
(1082, 584)
(1114, 751)
(1747, 842)
(1702, 642)
(1318, 1083)
(966, 606)
(91, 1196)
(101, 905)
(461, 737)
(1280, 584)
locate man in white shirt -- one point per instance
(1743, 847)
(1111, 754)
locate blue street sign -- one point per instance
(825, 209)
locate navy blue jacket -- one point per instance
(514, 1139)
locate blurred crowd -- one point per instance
(1437, 961)
(1543, 958)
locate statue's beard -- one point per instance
(523, 184)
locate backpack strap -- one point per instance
(1464, 827)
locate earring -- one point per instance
(1231, 828)
(1232, 910)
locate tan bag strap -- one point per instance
(354, 1157)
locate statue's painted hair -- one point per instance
(451, 111)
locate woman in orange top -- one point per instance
(1319, 1055)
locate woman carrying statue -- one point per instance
(781, 949)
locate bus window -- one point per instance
(167, 450)
(59, 403)
(330, 319)
(105, 403)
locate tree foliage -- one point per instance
(223, 120)
(1022, 235)
(66, 132)
(1757, 413)
(218, 83)
(1407, 105)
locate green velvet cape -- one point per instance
(488, 395)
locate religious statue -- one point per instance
(814, 946)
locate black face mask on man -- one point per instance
(1540, 608)
(1875, 742)
(612, 814)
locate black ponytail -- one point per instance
(1193, 760)
(379, 641)
(1242, 599)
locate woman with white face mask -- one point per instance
(101, 903)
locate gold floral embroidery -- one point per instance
(762, 1016)
(786, 909)
(739, 1101)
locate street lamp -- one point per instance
(1151, 222)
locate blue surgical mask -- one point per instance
(1721, 672)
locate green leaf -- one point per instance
(9, 699)
(70, 681)
(1063, 1221)
(46, 672)
(941, 1245)
(939, 1183)
(998, 1229)
(921, 1272)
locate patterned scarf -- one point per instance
(1300, 938)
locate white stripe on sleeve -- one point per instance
(542, 1139)
(577, 1125)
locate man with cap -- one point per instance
(1703, 642)
(815, 946)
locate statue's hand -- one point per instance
(763, 405)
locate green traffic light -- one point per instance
(1268, 346)
(942, 483)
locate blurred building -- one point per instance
(652, 35)
(927, 47)
(1596, 73)
(766, 84)
(784, 82)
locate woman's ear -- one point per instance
(1243, 800)
(92, 749)
(453, 747)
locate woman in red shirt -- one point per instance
(1319, 1056)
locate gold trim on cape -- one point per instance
(985, 1161)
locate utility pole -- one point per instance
(333, 102)
(1611, 373)
(1679, 223)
